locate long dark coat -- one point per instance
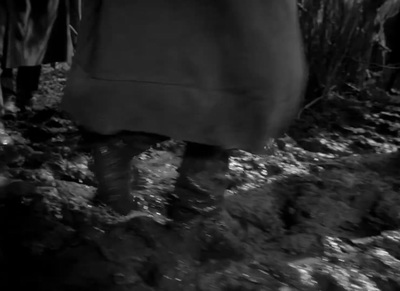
(222, 72)
(34, 32)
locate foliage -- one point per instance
(339, 37)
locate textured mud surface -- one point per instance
(319, 211)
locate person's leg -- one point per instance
(202, 181)
(27, 83)
(112, 166)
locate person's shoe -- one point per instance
(112, 168)
(200, 187)
(115, 172)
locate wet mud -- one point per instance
(319, 211)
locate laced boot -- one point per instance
(200, 187)
(113, 169)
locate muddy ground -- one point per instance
(319, 211)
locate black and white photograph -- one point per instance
(200, 145)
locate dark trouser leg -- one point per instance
(112, 166)
(202, 181)
(27, 84)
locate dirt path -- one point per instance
(319, 211)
